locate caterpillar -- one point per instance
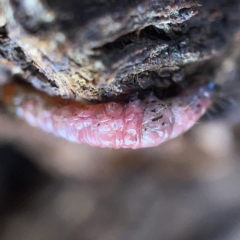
(136, 124)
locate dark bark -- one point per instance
(102, 49)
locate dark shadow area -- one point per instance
(20, 178)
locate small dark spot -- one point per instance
(163, 123)
(98, 124)
(145, 129)
(157, 118)
(198, 105)
(153, 110)
(153, 101)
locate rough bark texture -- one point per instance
(102, 49)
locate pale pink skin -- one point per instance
(137, 124)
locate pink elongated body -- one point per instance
(137, 124)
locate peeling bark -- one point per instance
(100, 50)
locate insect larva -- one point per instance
(137, 124)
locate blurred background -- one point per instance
(185, 189)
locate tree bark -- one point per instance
(101, 50)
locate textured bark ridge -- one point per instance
(101, 50)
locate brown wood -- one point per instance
(102, 49)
